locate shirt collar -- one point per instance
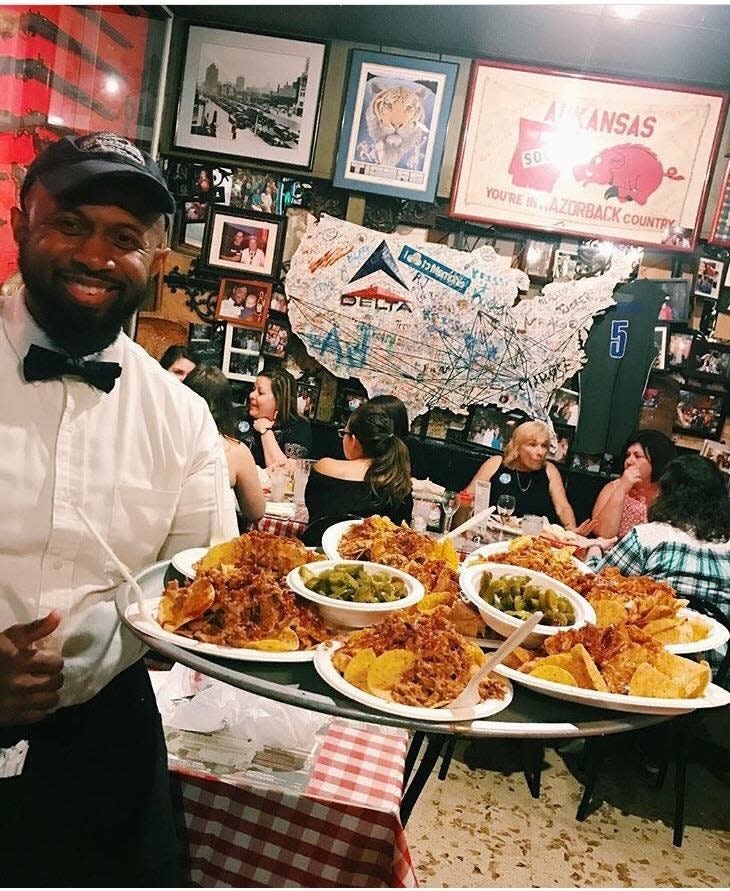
(23, 331)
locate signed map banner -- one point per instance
(437, 326)
(586, 156)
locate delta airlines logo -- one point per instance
(375, 294)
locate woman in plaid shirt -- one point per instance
(687, 539)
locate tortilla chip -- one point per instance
(660, 611)
(649, 681)
(700, 629)
(341, 660)
(553, 673)
(446, 551)
(476, 653)
(179, 606)
(691, 677)
(466, 620)
(429, 602)
(225, 552)
(519, 656)
(286, 642)
(586, 671)
(387, 670)
(356, 672)
(609, 612)
(676, 632)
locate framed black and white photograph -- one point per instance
(190, 224)
(245, 340)
(242, 241)
(252, 96)
(206, 341)
(661, 347)
(394, 124)
(677, 300)
(565, 407)
(680, 347)
(700, 412)
(243, 302)
(708, 280)
(276, 338)
(564, 265)
(239, 365)
(279, 302)
(439, 422)
(710, 361)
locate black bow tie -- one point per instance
(41, 364)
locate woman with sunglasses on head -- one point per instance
(373, 478)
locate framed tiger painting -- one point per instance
(394, 125)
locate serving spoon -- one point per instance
(469, 696)
(472, 521)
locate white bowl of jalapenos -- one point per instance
(507, 595)
(355, 593)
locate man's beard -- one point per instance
(78, 329)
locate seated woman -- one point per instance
(178, 360)
(374, 478)
(623, 503)
(214, 387)
(277, 432)
(525, 473)
(686, 542)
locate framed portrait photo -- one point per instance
(241, 241)
(708, 279)
(537, 260)
(394, 125)
(719, 454)
(250, 96)
(586, 155)
(700, 412)
(490, 427)
(190, 224)
(564, 407)
(710, 361)
(680, 347)
(564, 265)
(238, 364)
(677, 299)
(276, 337)
(308, 398)
(661, 347)
(243, 302)
(564, 436)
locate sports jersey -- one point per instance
(620, 351)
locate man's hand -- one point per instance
(29, 679)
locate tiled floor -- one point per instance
(480, 827)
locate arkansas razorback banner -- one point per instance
(586, 156)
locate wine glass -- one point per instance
(450, 503)
(506, 505)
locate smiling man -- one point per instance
(89, 420)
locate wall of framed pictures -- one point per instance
(351, 147)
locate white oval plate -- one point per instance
(717, 635)
(499, 547)
(332, 535)
(183, 560)
(328, 673)
(642, 705)
(149, 626)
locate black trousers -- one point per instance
(92, 806)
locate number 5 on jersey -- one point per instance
(619, 337)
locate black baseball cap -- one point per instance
(101, 167)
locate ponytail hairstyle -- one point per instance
(389, 473)
(210, 383)
(396, 410)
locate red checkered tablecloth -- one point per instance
(288, 527)
(344, 831)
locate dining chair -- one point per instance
(681, 742)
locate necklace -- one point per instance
(529, 482)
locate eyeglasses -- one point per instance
(343, 432)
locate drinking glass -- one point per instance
(301, 476)
(506, 505)
(450, 503)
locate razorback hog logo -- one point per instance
(631, 172)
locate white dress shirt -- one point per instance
(145, 464)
